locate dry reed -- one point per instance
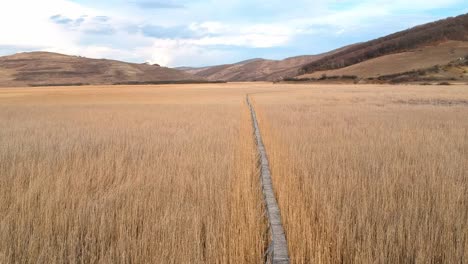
(370, 174)
(363, 174)
(128, 175)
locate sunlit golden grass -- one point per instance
(167, 174)
(370, 174)
(128, 175)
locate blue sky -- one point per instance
(206, 32)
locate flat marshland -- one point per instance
(370, 174)
(128, 175)
(168, 174)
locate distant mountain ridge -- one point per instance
(430, 34)
(417, 59)
(46, 68)
(438, 49)
(435, 43)
(257, 69)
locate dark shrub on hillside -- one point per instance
(448, 29)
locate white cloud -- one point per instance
(209, 27)
(172, 52)
(27, 22)
(209, 49)
(246, 40)
(252, 36)
(118, 34)
(72, 29)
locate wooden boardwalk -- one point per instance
(278, 249)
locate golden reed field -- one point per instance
(168, 174)
(370, 174)
(128, 175)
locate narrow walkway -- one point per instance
(278, 249)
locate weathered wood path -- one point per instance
(278, 249)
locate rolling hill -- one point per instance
(421, 58)
(257, 69)
(45, 68)
(422, 47)
(419, 47)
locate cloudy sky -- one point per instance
(206, 32)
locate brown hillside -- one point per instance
(240, 71)
(258, 69)
(429, 34)
(42, 68)
(420, 58)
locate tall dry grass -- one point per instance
(363, 174)
(370, 174)
(128, 175)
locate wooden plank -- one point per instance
(278, 249)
